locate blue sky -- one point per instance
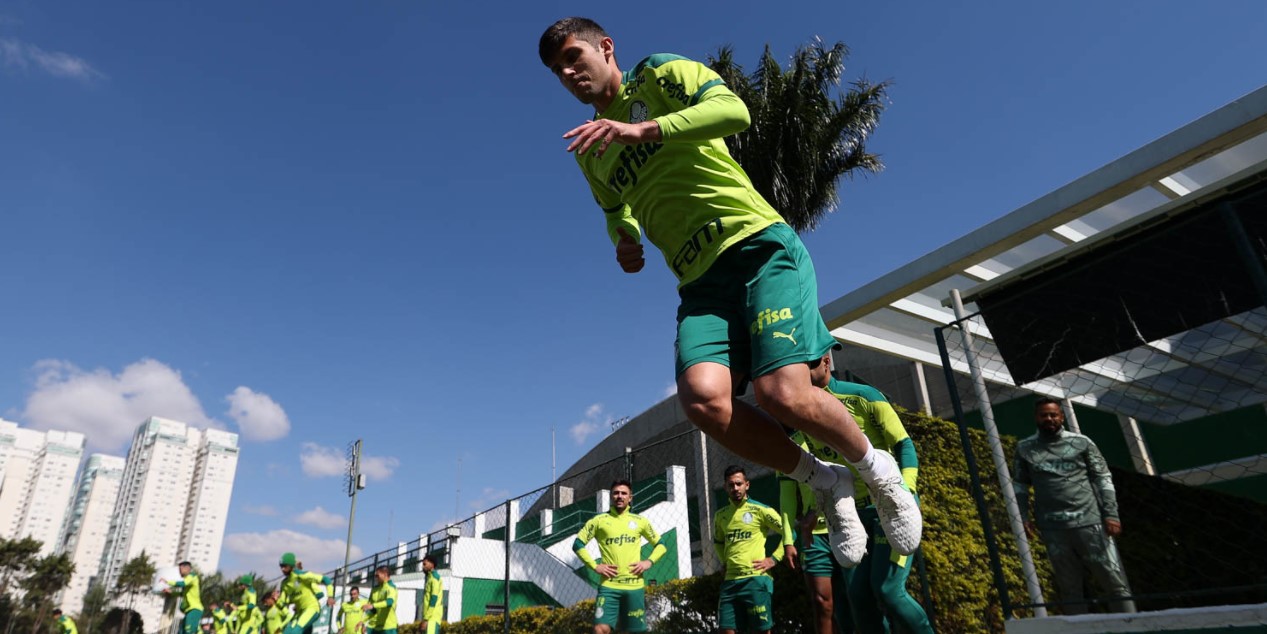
(316, 221)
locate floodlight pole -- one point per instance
(355, 483)
(1000, 462)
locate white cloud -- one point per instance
(16, 54)
(321, 518)
(323, 462)
(108, 407)
(671, 390)
(259, 552)
(595, 419)
(258, 416)
(489, 498)
(266, 510)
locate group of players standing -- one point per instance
(870, 596)
(296, 604)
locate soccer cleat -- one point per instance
(846, 533)
(899, 514)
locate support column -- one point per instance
(708, 557)
(1141, 457)
(921, 389)
(1000, 461)
(1071, 417)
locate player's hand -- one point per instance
(789, 555)
(1112, 527)
(367, 608)
(330, 602)
(607, 570)
(424, 627)
(601, 133)
(629, 252)
(762, 565)
(637, 568)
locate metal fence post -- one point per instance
(510, 536)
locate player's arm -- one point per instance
(653, 538)
(772, 524)
(1102, 481)
(719, 540)
(578, 545)
(434, 591)
(896, 437)
(711, 110)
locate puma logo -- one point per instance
(788, 336)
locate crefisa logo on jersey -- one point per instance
(638, 112)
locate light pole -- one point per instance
(355, 481)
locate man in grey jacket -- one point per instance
(1075, 507)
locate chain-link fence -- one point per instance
(1125, 487)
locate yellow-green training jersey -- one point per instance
(351, 615)
(619, 537)
(881, 425)
(739, 535)
(190, 595)
(383, 599)
(67, 625)
(276, 619)
(248, 611)
(304, 590)
(432, 593)
(218, 623)
(687, 193)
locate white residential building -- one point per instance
(88, 523)
(37, 479)
(173, 502)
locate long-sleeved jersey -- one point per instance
(190, 595)
(67, 625)
(248, 612)
(686, 191)
(881, 425)
(1072, 483)
(432, 593)
(619, 537)
(276, 618)
(304, 590)
(383, 599)
(739, 536)
(351, 615)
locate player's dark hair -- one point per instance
(57, 612)
(621, 483)
(733, 469)
(183, 563)
(1045, 400)
(384, 569)
(581, 28)
(431, 559)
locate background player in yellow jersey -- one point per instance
(276, 615)
(382, 604)
(249, 616)
(432, 595)
(65, 624)
(352, 613)
(190, 596)
(621, 602)
(655, 160)
(739, 535)
(877, 586)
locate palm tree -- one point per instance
(49, 575)
(807, 132)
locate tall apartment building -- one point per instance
(37, 479)
(173, 502)
(88, 523)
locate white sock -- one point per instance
(814, 472)
(872, 469)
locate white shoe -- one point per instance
(846, 533)
(899, 514)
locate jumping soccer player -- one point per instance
(249, 616)
(655, 160)
(304, 591)
(432, 592)
(190, 597)
(382, 603)
(739, 535)
(621, 602)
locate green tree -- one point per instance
(16, 558)
(48, 576)
(807, 131)
(135, 576)
(93, 609)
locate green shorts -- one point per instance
(744, 605)
(191, 621)
(755, 309)
(816, 559)
(623, 610)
